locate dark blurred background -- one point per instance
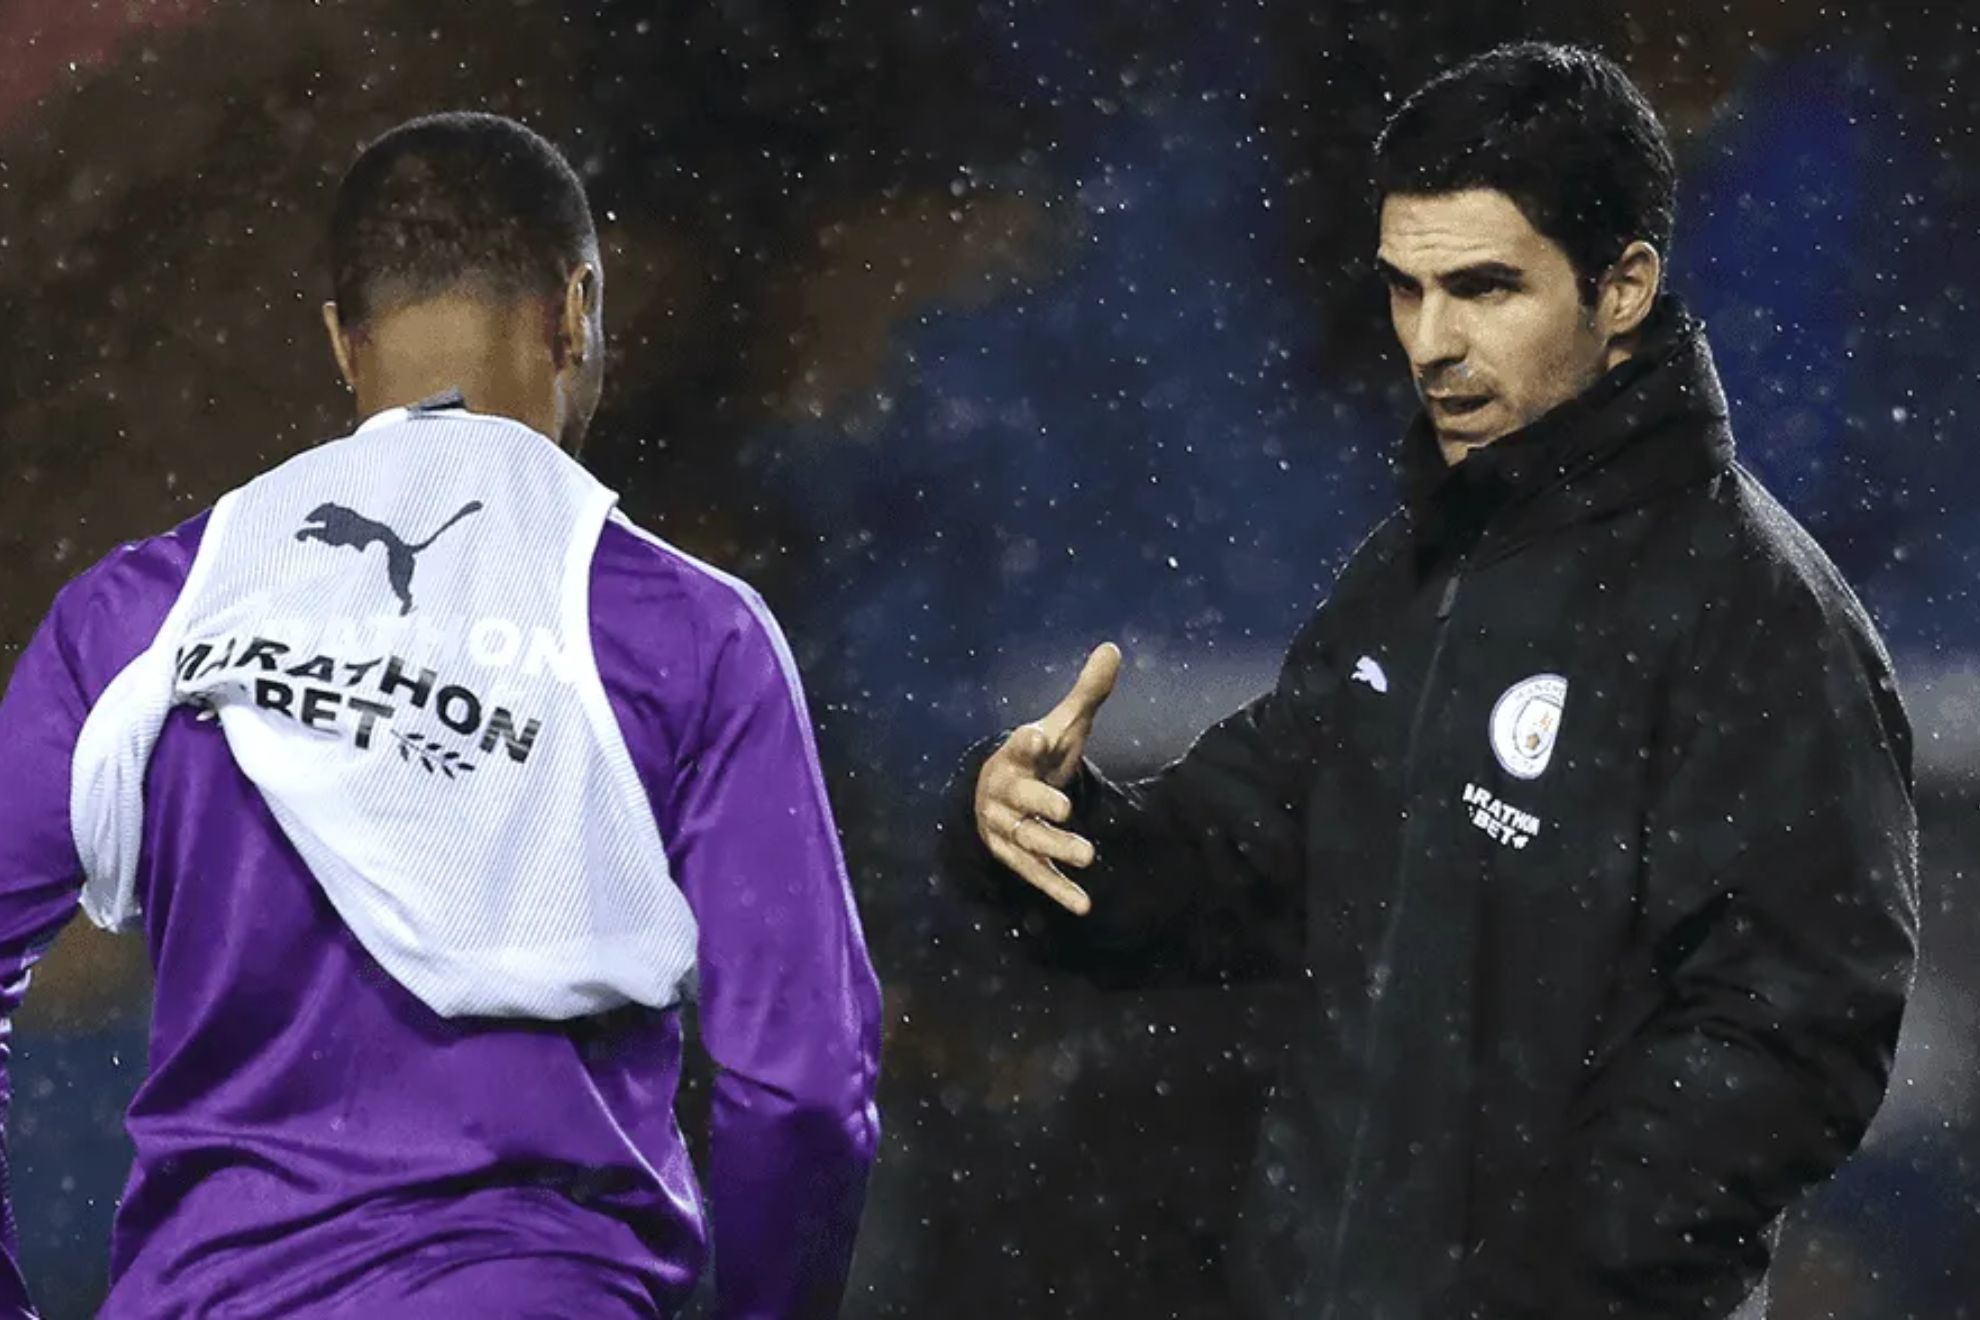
(973, 334)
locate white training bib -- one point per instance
(394, 632)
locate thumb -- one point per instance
(1089, 691)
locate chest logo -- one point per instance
(1525, 722)
(1368, 670)
(1502, 822)
(335, 525)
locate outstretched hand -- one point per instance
(1020, 803)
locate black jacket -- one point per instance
(1583, 810)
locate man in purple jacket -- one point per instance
(436, 786)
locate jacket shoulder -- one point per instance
(108, 614)
(1378, 551)
(661, 617)
(1780, 623)
(1773, 574)
(1361, 573)
(633, 563)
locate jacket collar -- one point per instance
(444, 401)
(1653, 424)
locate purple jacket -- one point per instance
(311, 1140)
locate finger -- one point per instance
(1093, 686)
(1055, 845)
(1019, 760)
(1028, 796)
(1041, 876)
(1027, 746)
(996, 820)
(998, 823)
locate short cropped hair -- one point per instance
(460, 200)
(1560, 130)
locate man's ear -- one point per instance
(580, 313)
(1629, 290)
(340, 345)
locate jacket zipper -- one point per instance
(1444, 607)
(1446, 603)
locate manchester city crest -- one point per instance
(1525, 722)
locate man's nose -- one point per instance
(1439, 338)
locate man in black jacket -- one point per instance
(1582, 809)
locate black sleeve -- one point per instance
(1781, 888)
(1200, 868)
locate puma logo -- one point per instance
(1369, 670)
(333, 524)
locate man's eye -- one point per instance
(1480, 290)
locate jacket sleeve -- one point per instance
(1199, 874)
(789, 1005)
(41, 717)
(1781, 888)
(98, 624)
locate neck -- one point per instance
(495, 356)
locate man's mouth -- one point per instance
(1458, 405)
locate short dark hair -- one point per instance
(1560, 130)
(460, 199)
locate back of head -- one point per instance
(1560, 130)
(457, 202)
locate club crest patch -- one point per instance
(1525, 722)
